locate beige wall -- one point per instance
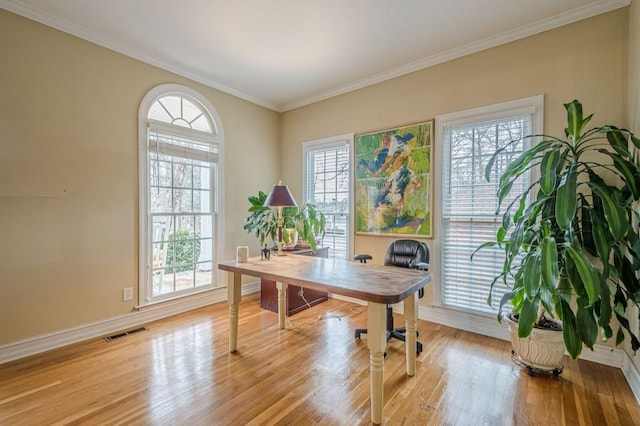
(68, 175)
(634, 84)
(585, 60)
(634, 67)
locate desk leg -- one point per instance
(410, 316)
(282, 303)
(377, 342)
(233, 299)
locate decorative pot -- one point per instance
(289, 238)
(542, 350)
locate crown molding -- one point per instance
(63, 25)
(559, 20)
(556, 21)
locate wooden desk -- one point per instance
(295, 301)
(375, 284)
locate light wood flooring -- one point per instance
(179, 372)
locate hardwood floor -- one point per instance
(179, 372)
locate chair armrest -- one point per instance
(362, 257)
(422, 266)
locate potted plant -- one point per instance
(307, 221)
(571, 249)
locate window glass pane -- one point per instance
(172, 105)
(182, 166)
(157, 112)
(190, 111)
(204, 226)
(182, 200)
(201, 124)
(160, 200)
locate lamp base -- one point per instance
(280, 252)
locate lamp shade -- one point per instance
(280, 196)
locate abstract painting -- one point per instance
(393, 181)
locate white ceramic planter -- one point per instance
(542, 349)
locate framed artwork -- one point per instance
(393, 187)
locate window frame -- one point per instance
(217, 186)
(533, 105)
(327, 144)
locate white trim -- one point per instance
(632, 375)
(217, 180)
(47, 342)
(559, 20)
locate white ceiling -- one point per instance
(283, 54)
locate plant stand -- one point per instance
(556, 371)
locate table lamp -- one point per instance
(280, 197)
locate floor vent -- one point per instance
(124, 333)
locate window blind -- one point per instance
(327, 186)
(469, 207)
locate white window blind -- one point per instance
(470, 204)
(327, 177)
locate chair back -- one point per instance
(406, 253)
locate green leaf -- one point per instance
(588, 275)
(624, 322)
(575, 122)
(603, 248)
(615, 214)
(482, 246)
(627, 274)
(517, 237)
(630, 173)
(619, 336)
(528, 316)
(506, 298)
(531, 275)
(572, 341)
(549, 262)
(563, 289)
(586, 323)
(605, 311)
(518, 214)
(548, 173)
(519, 165)
(618, 141)
(566, 198)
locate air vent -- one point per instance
(124, 333)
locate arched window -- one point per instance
(180, 147)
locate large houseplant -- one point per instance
(262, 221)
(571, 248)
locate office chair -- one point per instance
(404, 254)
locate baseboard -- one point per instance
(47, 342)
(613, 357)
(487, 326)
(632, 375)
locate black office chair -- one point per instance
(404, 254)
